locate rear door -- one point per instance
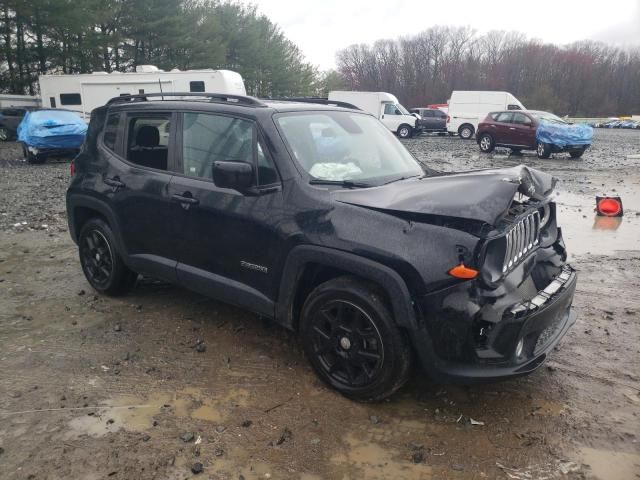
(138, 147)
(229, 242)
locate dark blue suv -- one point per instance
(316, 216)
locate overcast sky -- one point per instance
(322, 27)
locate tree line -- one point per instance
(581, 79)
(83, 36)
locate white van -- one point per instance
(467, 109)
(84, 92)
(383, 106)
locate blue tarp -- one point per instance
(52, 129)
(562, 134)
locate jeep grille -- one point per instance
(522, 239)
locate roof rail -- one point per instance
(213, 97)
(318, 100)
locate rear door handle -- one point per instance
(512, 128)
(114, 182)
(185, 200)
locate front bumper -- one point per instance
(463, 347)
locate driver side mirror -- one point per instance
(233, 175)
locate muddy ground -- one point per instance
(94, 388)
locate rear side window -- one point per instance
(427, 113)
(148, 140)
(504, 117)
(521, 118)
(70, 99)
(197, 86)
(111, 131)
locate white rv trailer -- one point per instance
(84, 92)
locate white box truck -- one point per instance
(468, 108)
(84, 92)
(383, 106)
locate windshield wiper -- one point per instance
(342, 183)
(404, 177)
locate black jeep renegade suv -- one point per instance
(317, 217)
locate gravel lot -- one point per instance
(94, 387)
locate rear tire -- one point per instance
(4, 134)
(544, 150)
(486, 143)
(350, 338)
(577, 153)
(102, 265)
(405, 131)
(466, 131)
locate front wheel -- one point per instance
(102, 265)
(486, 143)
(4, 134)
(544, 150)
(405, 131)
(349, 336)
(466, 131)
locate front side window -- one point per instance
(208, 138)
(148, 140)
(346, 146)
(70, 99)
(504, 117)
(111, 131)
(391, 109)
(521, 119)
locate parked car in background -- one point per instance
(628, 124)
(317, 217)
(519, 131)
(47, 133)
(467, 109)
(384, 107)
(10, 118)
(431, 119)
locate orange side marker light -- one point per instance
(465, 273)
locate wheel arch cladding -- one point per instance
(314, 265)
(84, 208)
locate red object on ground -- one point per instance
(609, 206)
(72, 168)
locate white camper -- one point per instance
(383, 106)
(7, 100)
(467, 109)
(84, 92)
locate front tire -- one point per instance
(349, 336)
(405, 131)
(4, 134)
(102, 265)
(466, 131)
(544, 150)
(577, 153)
(486, 143)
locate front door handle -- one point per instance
(185, 200)
(114, 182)
(512, 128)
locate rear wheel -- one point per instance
(544, 150)
(349, 336)
(102, 265)
(4, 134)
(577, 153)
(31, 157)
(405, 131)
(486, 143)
(466, 131)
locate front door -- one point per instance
(229, 242)
(391, 116)
(137, 151)
(525, 131)
(503, 133)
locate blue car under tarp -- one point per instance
(563, 135)
(52, 130)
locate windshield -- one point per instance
(346, 146)
(549, 117)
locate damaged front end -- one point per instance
(504, 322)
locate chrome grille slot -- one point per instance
(522, 239)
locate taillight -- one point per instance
(448, 119)
(72, 168)
(609, 206)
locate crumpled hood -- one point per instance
(482, 195)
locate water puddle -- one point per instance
(585, 232)
(609, 465)
(371, 461)
(137, 413)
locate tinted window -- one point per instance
(210, 138)
(513, 107)
(504, 117)
(148, 140)
(70, 99)
(52, 102)
(427, 113)
(521, 118)
(196, 86)
(111, 131)
(439, 113)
